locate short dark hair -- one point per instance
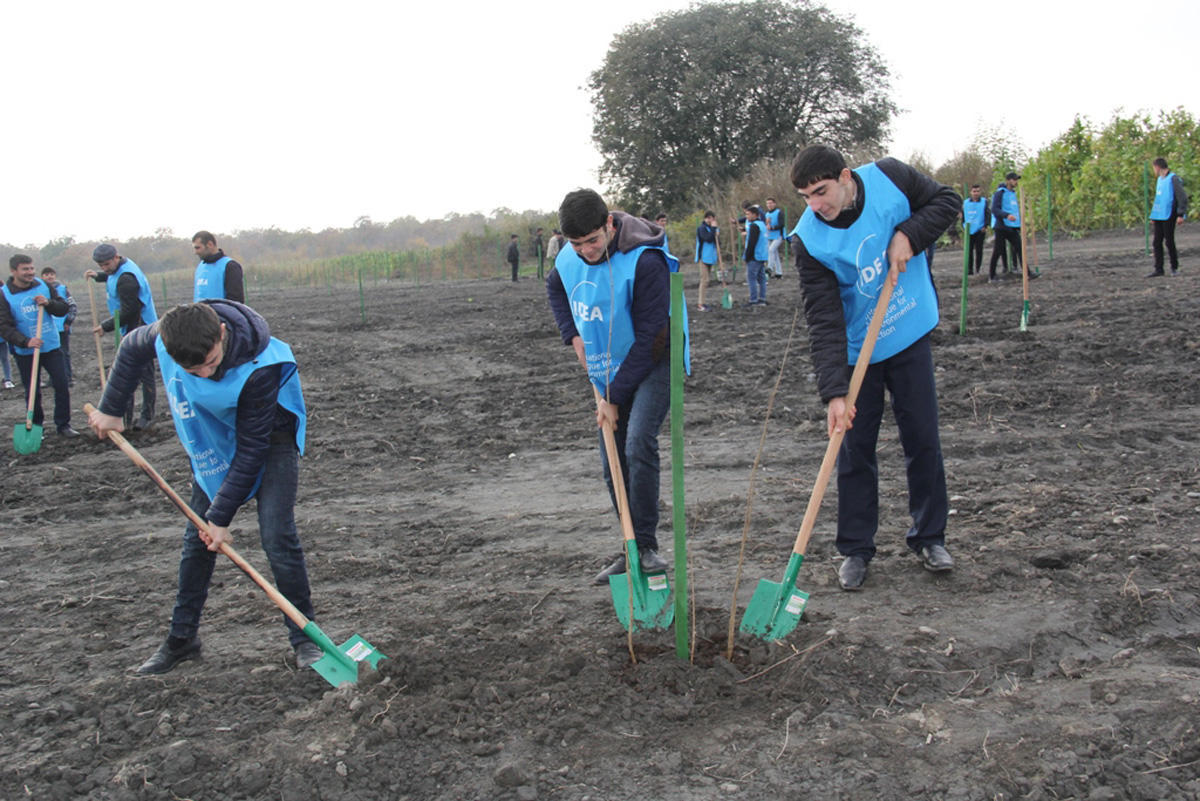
(204, 237)
(662, 215)
(1161, 163)
(816, 163)
(709, 213)
(773, 200)
(582, 212)
(976, 186)
(19, 259)
(189, 332)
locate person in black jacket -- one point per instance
(235, 397)
(858, 224)
(514, 255)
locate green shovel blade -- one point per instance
(727, 300)
(1025, 316)
(652, 607)
(340, 664)
(774, 610)
(27, 440)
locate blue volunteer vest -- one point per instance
(601, 299)
(144, 295)
(24, 312)
(775, 231)
(1164, 198)
(974, 214)
(205, 411)
(1010, 205)
(857, 256)
(706, 251)
(760, 247)
(210, 280)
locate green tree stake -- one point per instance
(962, 315)
(541, 262)
(1146, 195)
(1049, 220)
(679, 519)
(362, 299)
(117, 328)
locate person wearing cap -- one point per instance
(755, 256)
(217, 275)
(130, 300)
(24, 293)
(1170, 207)
(1006, 216)
(859, 227)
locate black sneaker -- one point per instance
(67, 431)
(308, 653)
(615, 568)
(166, 657)
(936, 558)
(852, 573)
(1155, 274)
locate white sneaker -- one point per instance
(8, 384)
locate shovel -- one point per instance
(641, 601)
(340, 664)
(27, 437)
(775, 609)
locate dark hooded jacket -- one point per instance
(260, 418)
(651, 307)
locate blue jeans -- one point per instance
(52, 362)
(638, 423)
(908, 377)
(277, 529)
(756, 277)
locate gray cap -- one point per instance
(103, 253)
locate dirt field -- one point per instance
(453, 514)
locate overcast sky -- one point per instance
(126, 117)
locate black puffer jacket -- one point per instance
(259, 415)
(934, 207)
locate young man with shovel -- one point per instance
(857, 226)
(235, 397)
(24, 293)
(610, 292)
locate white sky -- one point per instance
(125, 117)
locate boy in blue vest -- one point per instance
(610, 292)
(1006, 219)
(235, 397)
(128, 295)
(975, 217)
(775, 222)
(217, 275)
(755, 255)
(708, 253)
(23, 294)
(1170, 207)
(857, 225)
(63, 324)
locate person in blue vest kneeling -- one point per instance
(610, 292)
(234, 392)
(217, 275)
(858, 224)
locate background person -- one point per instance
(1170, 207)
(1006, 219)
(776, 221)
(217, 275)
(708, 253)
(975, 217)
(63, 323)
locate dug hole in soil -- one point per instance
(453, 514)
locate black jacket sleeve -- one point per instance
(235, 288)
(934, 206)
(1181, 197)
(136, 351)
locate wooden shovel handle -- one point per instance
(33, 371)
(618, 478)
(835, 440)
(96, 334)
(275, 595)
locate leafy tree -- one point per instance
(691, 99)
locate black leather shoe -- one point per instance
(852, 573)
(166, 657)
(308, 653)
(615, 568)
(67, 431)
(1155, 274)
(936, 558)
(651, 561)
(142, 424)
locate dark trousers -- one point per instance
(514, 269)
(276, 500)
(1011, 236)
(975, 251)
(908, 378)
(55, 366)
(1164, 230)
(64, 344)
(148, 396)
